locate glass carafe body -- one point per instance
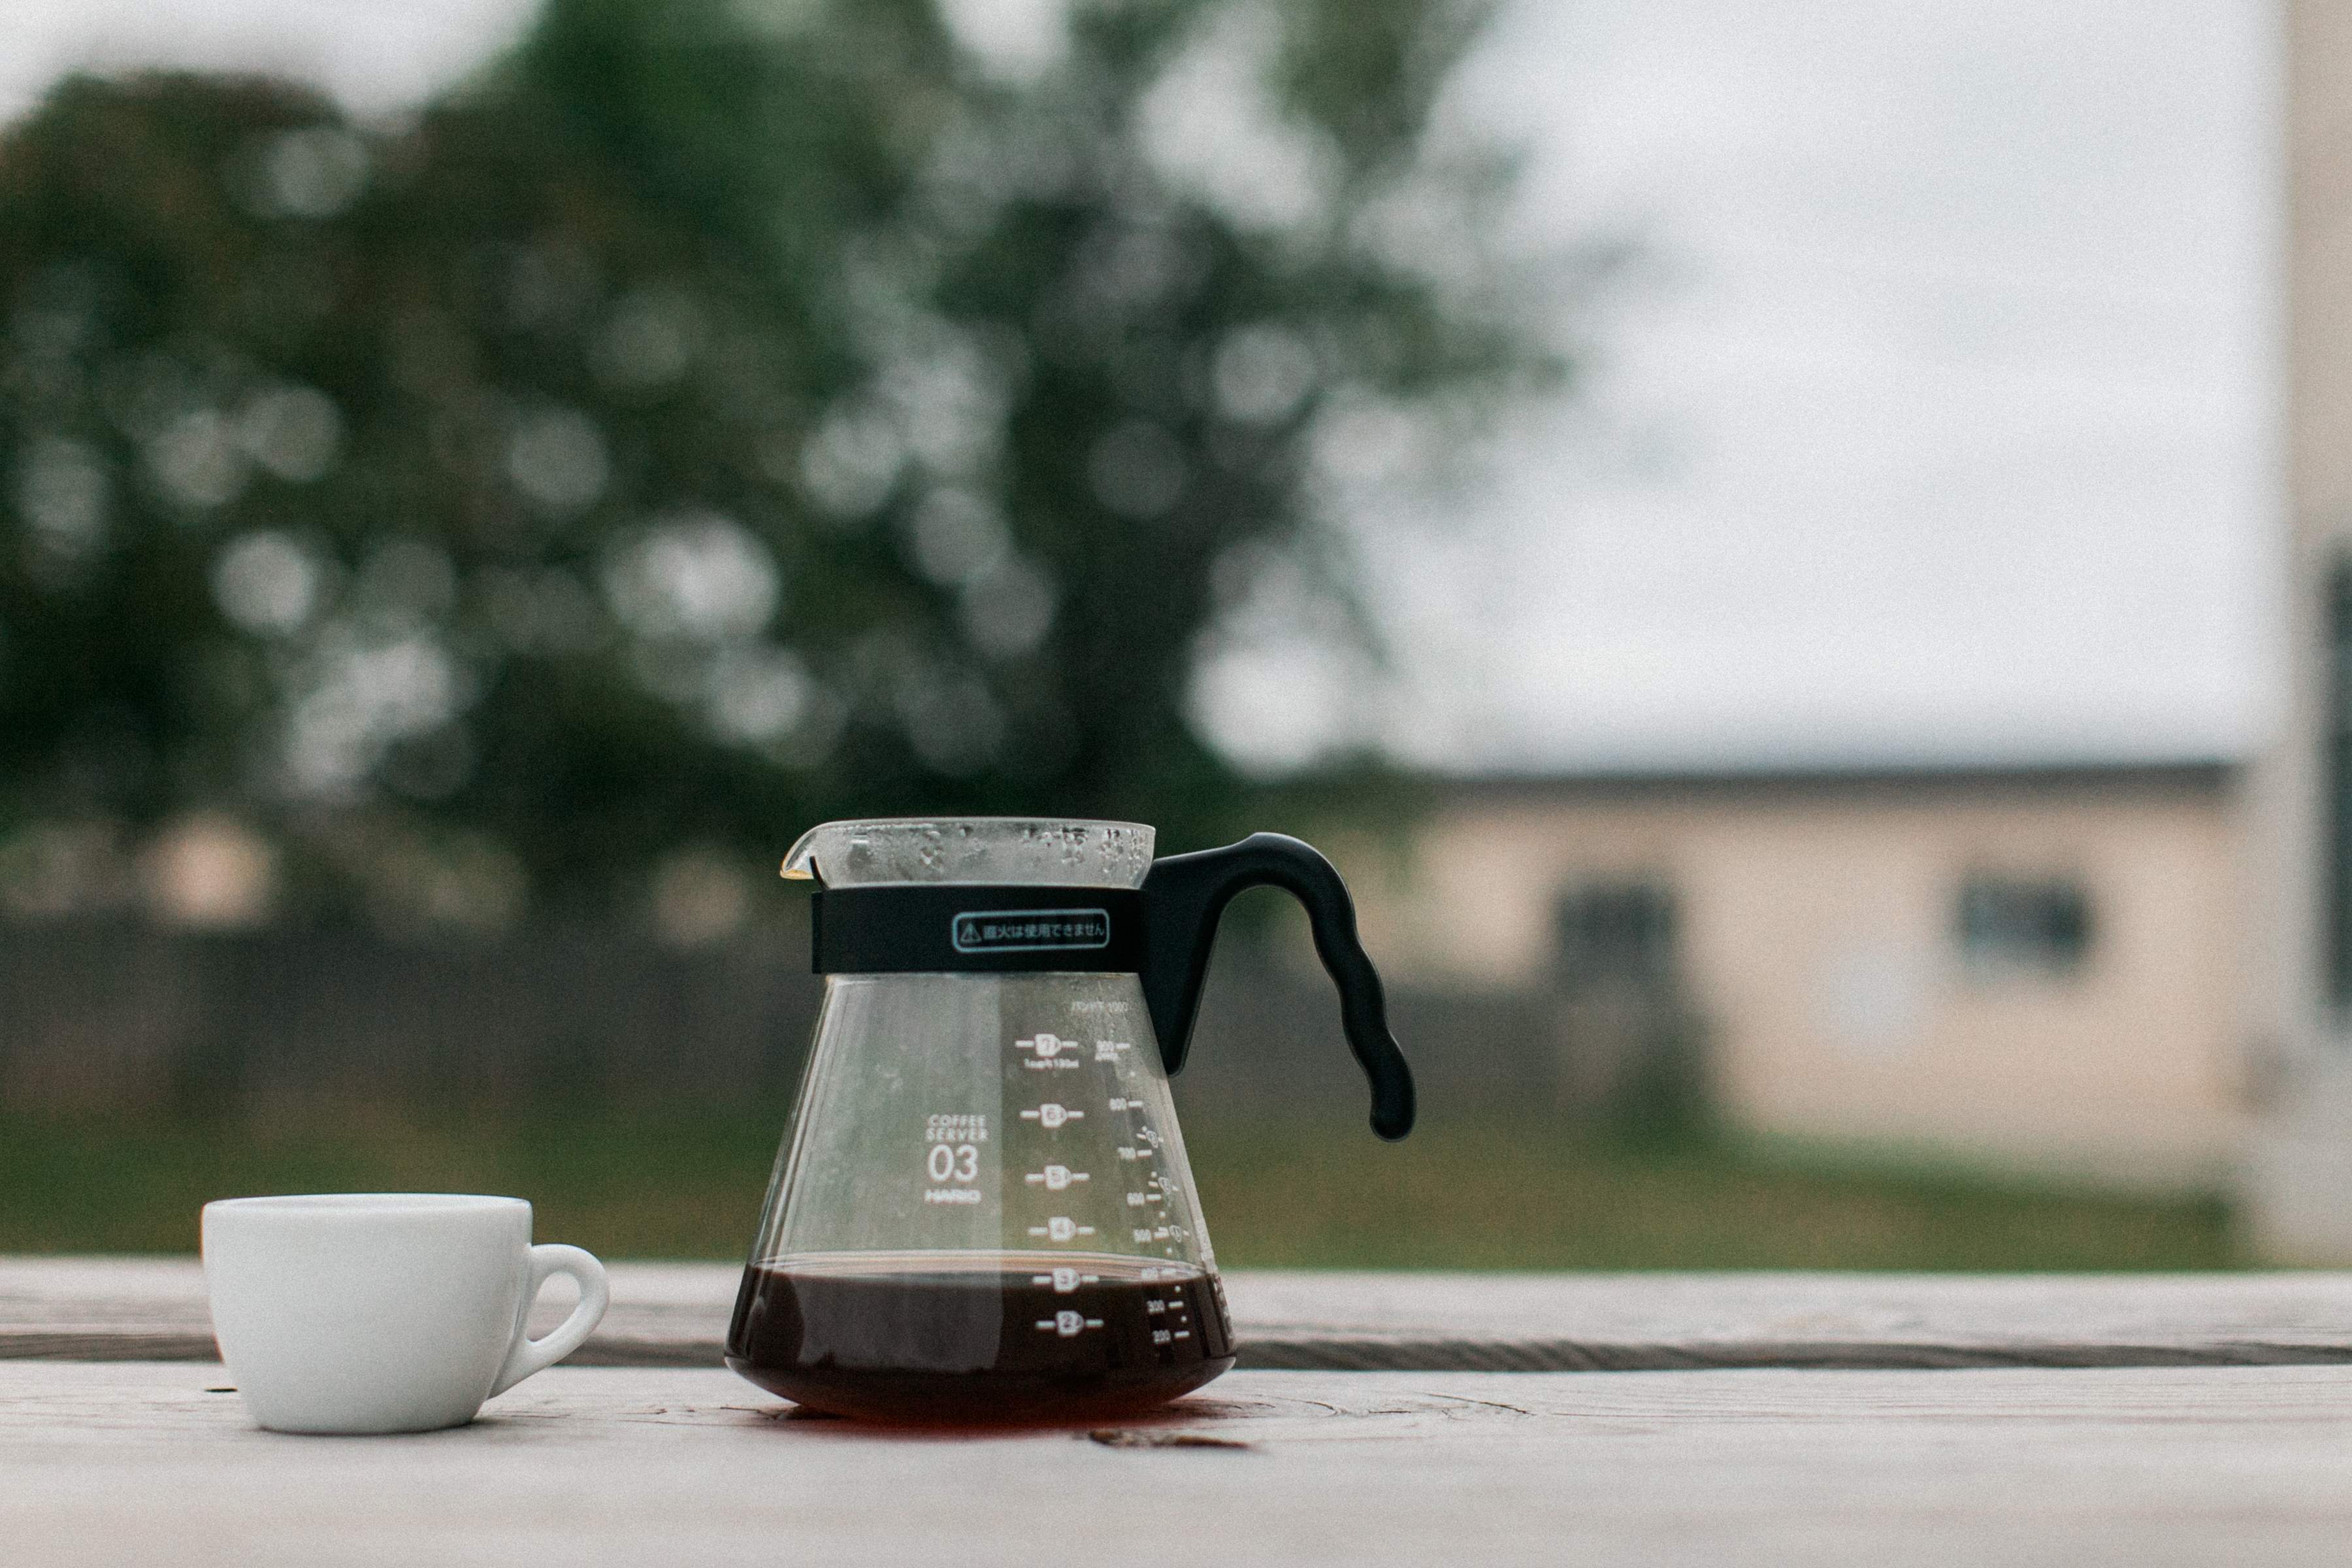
(982, 1209)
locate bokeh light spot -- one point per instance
(266, 584)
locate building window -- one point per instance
(2014, 926)
(2335, 760)
(1618, 937)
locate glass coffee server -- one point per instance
(982, 1210)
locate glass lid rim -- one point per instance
(800, 860)
(940, 820)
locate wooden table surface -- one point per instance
(675, 1314)
(2123, 1420)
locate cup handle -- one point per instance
(530, 1355)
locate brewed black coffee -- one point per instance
(918, 1338)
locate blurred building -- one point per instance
(2299, 1177)
(2036, 969)
(2033, 968)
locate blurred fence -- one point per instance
(121, 1015)
(104, 1016)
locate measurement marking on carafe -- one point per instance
(1054, 1177)
(1061, 1227)
(1046, 1051)
(1108, 1051)
(1129, 1152)
(1069, 1324)
(1050, 1116)
(1064, 1280)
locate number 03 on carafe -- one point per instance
(982, 1211)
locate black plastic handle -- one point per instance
(1184, 895)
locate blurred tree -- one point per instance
(718, 417)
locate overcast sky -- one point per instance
(1944, 427)
(1936, 424)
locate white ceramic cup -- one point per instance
(384, 1311)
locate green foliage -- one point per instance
(717, 417)
(1495, 1193)
(1509, 1193)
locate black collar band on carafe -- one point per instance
(1162, 933)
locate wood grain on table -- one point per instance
(675, 1314)
(584, 1466)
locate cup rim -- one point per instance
(366, 1202)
